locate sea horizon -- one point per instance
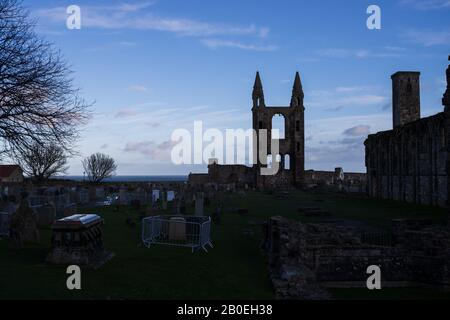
(129, 178)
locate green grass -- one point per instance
(234, 269)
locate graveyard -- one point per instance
(235, 268)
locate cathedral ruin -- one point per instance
(411, 162)
(291, 155)
(290, 158)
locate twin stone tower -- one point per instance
(291, 155)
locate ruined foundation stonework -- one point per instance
(411, 162)
(305, 258)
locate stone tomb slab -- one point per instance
(77, 239)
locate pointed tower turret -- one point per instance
(258, 93)
(297, 92)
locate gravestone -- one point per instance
(23, 226)
(199, 199)
(45, 214)
(176, 206)
(183, 205)
(73, 194)
(99, 193)
(141, 195)
(83, 196)
(177, 229)
(123, 196)
(164, 200)
(135, 204)
(216, 217)
(5, 218)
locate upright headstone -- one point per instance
(217, 215)
(45, 215)
(5, 219)
(23, 227)
(123, 196)
(199, 199)
(164, 199)
(99, 193)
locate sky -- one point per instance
(151, 67)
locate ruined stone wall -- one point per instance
(345, 181)
(198, 179)
(410, 163)
(317, 177)
(231, 174)
(283, 180)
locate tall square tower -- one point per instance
(405, 97)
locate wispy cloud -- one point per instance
(217, 43)
(138, 88)
(342, 97)
(137, 17)
(337, 142)
(358, 53)
(352, 89)
(132, 7)
(126, 113)
(426, 4)
(357, 131)
(127, 43)
(427, 38)
(156, 151)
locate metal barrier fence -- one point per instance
(182, 231)
(4, 224)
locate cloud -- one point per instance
(341, 53)
(127, 43)
(342, 101)
(155, 151)
(427, 4)
(334, 109)
(351, 89)
(104, 146)
(336, 99)
(134, 16)
(394, 48)
(153, 124)
(427, 38)
(138, 88)
(337, 142)
(217, 43)
(126, 113)
(357, 131)
(332, 155)
(132, 7)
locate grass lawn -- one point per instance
(234, 269)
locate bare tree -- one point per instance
(43, 162)
(99, 166)
(38, 101)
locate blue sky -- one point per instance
(155, 66)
